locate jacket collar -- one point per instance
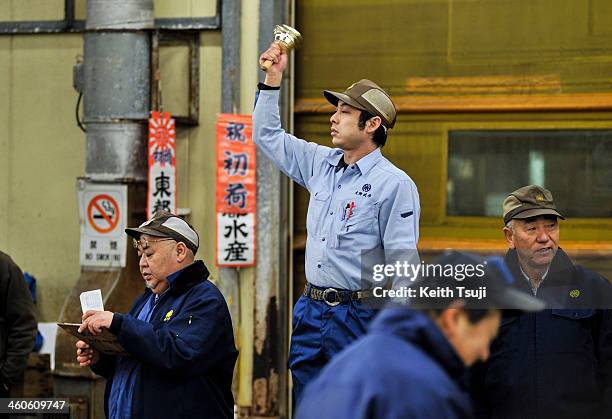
(189, 276)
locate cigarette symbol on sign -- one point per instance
(103, 213)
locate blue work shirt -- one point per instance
(371, 204)
(124, 380)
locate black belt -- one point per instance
(333, 296)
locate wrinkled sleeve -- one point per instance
(399, 217)
(293, 156)
(193, 342)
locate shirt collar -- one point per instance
(534, 290)
(335, 156)
(365, 164)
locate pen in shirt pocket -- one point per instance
(350, 207)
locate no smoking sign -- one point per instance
(103, 221)
(103, 213)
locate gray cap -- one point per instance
(166, 224)
(529, 201)
(367, 96)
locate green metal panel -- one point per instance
(449, 49)
(418, 144)
(391, 41)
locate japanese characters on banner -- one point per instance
(103, 214)
(236, 191)
(235, 239)
(162, 164)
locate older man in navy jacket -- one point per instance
(178, 334)
(556, 364)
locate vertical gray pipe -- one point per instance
(117, 88)
(271, 282)
(230, 103)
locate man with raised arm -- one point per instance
(359, 201)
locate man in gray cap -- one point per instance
(178, 333)
(359, 201)
(556, 363)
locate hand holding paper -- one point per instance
(92, 300)
(95, 321)
(93, 334)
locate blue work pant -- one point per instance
(320, 332)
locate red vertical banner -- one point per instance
(236, 165)
(161, 154)
(236, 191)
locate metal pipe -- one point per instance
(230, 34)
(271, 330)
(230, 103)
(117, 88)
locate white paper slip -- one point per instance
(92, 300)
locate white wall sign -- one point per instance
(235, 239)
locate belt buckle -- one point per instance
(331, 303)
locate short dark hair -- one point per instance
(380, 135)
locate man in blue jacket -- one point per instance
(412, 363)
(178, 334)
(554, 364)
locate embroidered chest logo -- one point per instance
(365, 188)
(168, 315)
(574, 293)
